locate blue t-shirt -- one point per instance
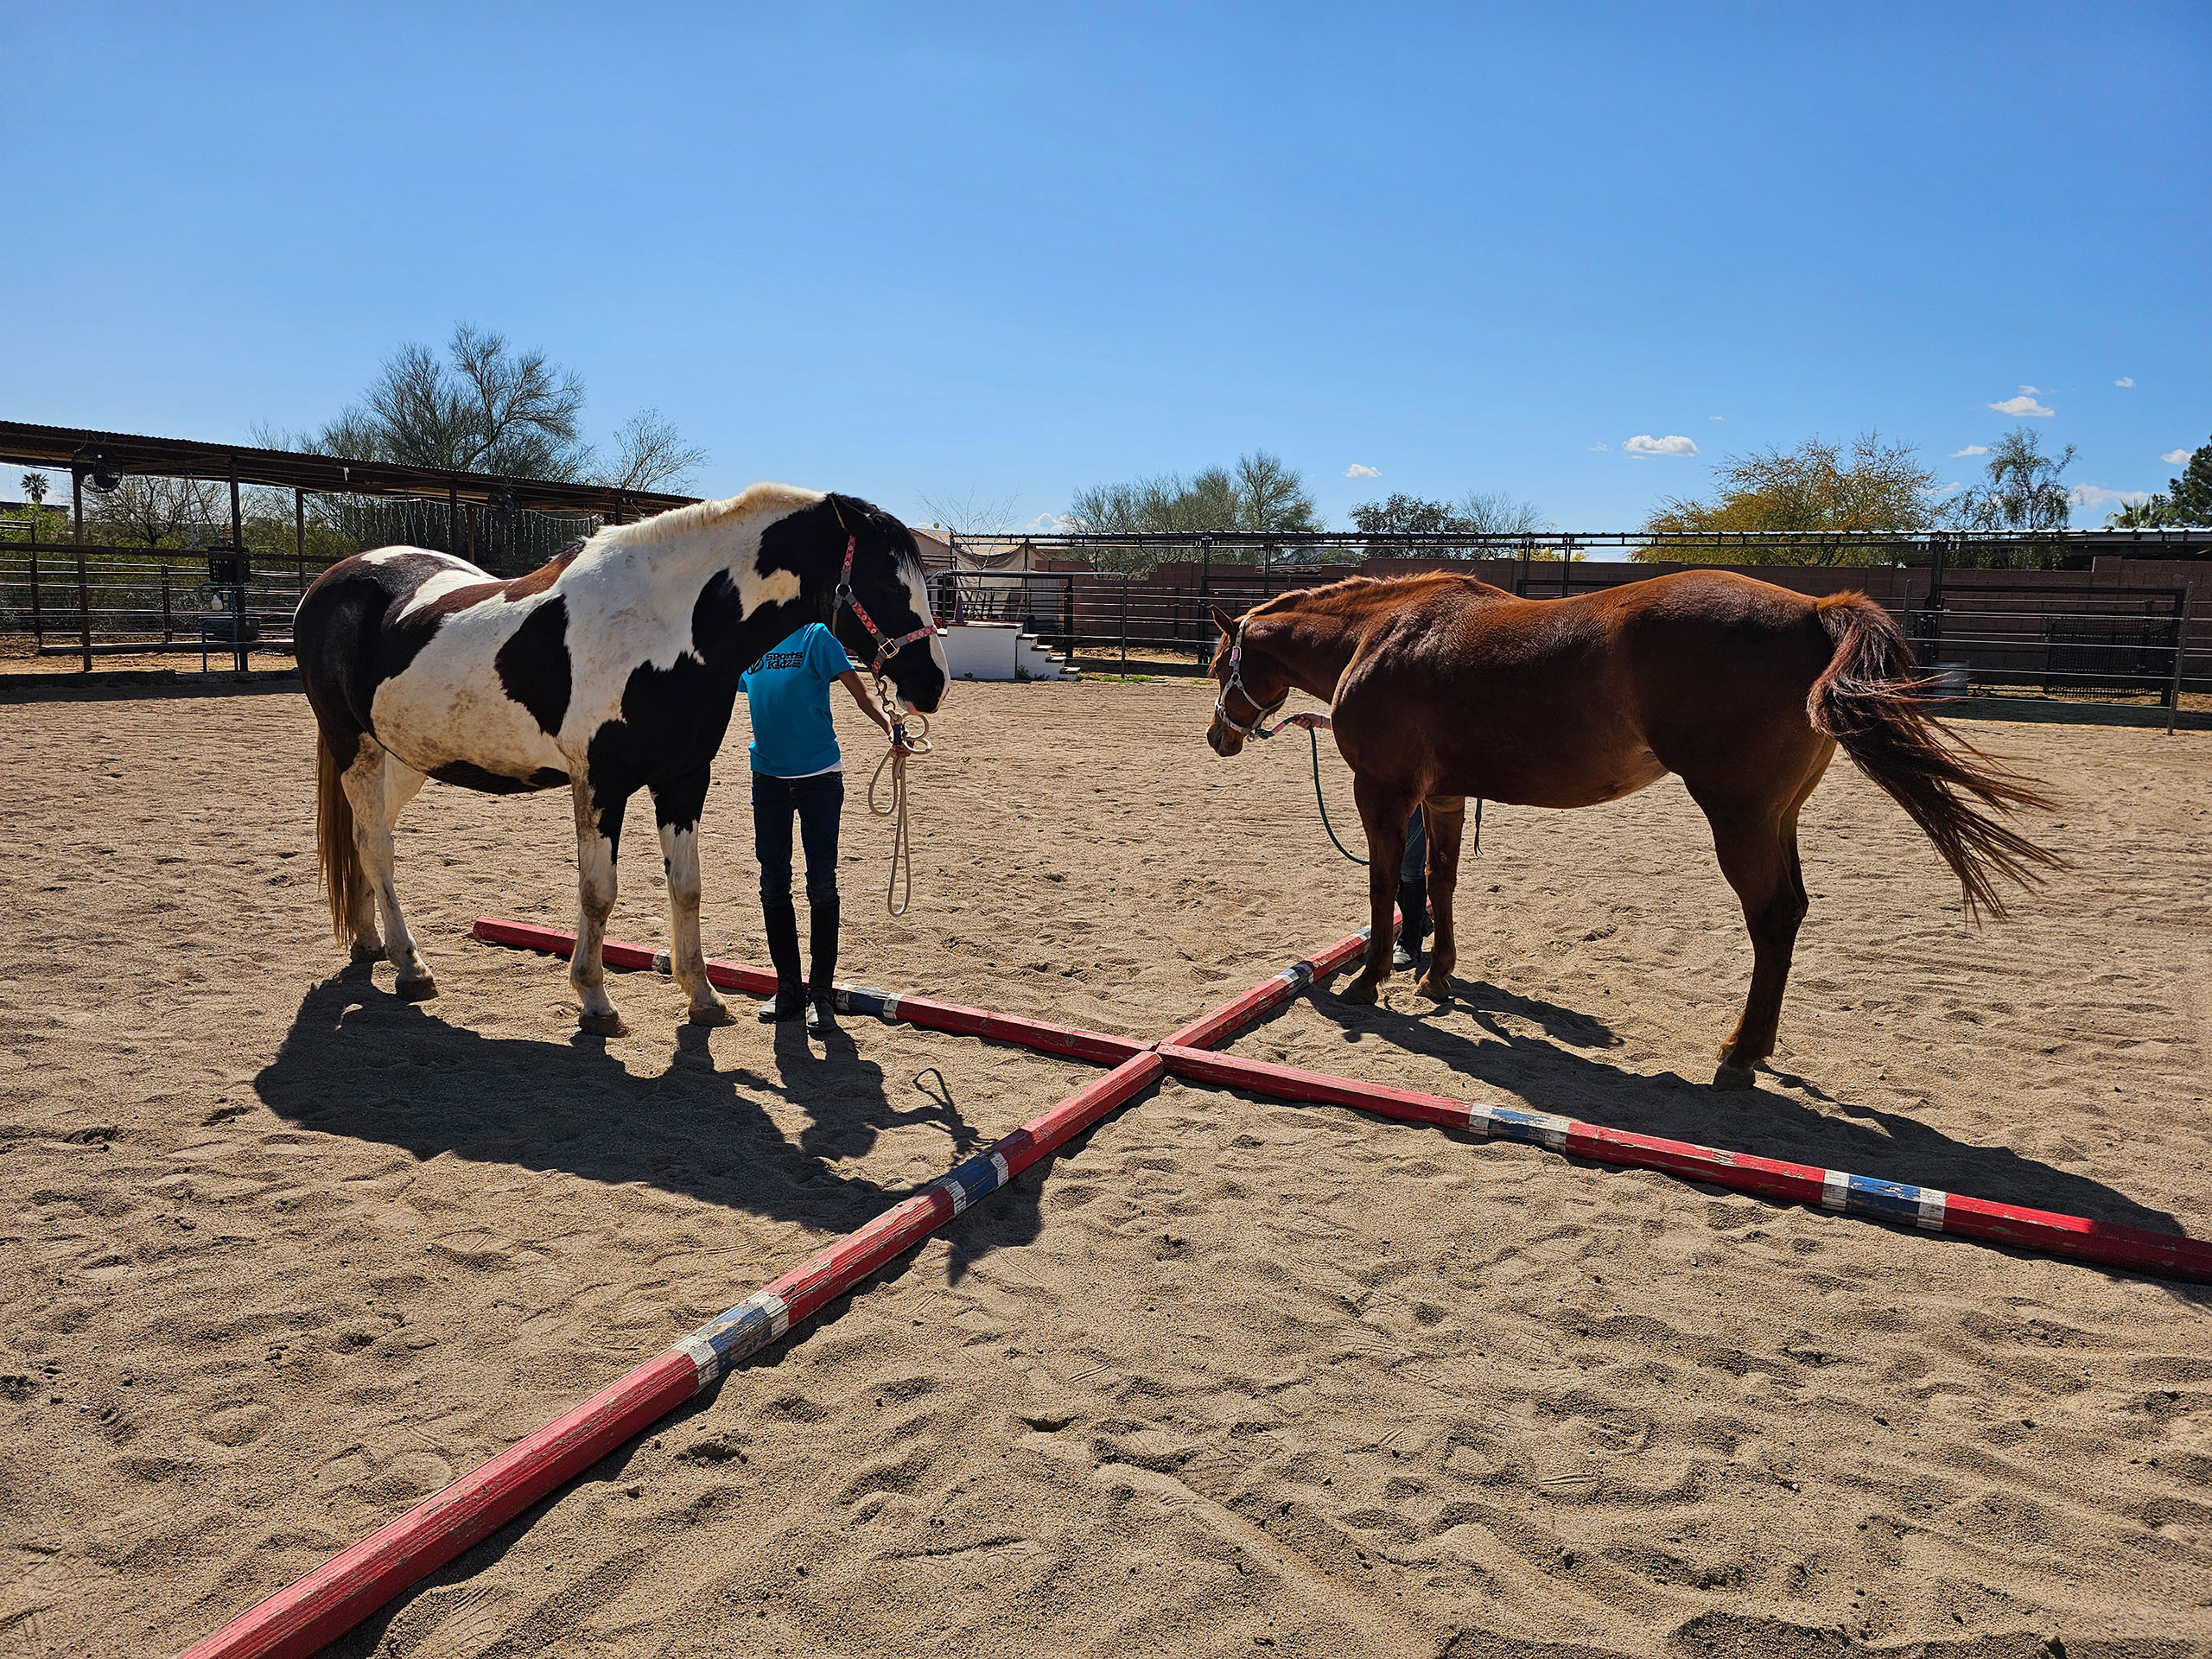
(789, 689)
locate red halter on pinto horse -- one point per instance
(1442, 687)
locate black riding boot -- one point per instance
(822, 950)
(782, 925)
(1413, 927)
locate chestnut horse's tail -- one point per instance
(1872, 700)
(338, 861)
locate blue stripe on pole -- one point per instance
(977, 1177)
(1538, 1128)
(744, 1330)
(1892, 1201)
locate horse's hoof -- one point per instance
(1734, 1077)
(1437, 988)
(601, 1025)
(1360, 990)
(365, 954)
(415, 991)
(716, 1015)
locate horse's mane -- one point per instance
(1338, 595)
(707, 515)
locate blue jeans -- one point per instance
(818, 803)
(1413, 880)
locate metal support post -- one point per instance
(300, 542)
(84, 593)
(2181, 655)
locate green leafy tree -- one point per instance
(2025, 489)
(1259, 495)
(1815, 487)
(2155, 513)
(1480, 512)
(2189, 497)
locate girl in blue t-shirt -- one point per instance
(796, 770)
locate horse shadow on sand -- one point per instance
(358, 1062)
(1562, 1060)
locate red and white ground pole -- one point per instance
(316, 1609)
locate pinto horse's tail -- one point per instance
(338, 861)
(1874, 700)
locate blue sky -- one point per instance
(935, 251)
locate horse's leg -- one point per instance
(401, 783)
(1383, 810)
(595, 855)
(1758, 848)
(1447, 818)
(369, 790)
(677, 806)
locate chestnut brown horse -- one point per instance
(1442, 687)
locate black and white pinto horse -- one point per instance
(611, 670)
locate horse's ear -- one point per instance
(1223, 620)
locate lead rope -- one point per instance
(1314, 723)
(904, 744)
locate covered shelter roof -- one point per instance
(69, 448)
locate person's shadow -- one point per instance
(358, 1062)
(1565, 1069)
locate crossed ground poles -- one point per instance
(317, 1609)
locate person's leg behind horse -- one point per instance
(1413, 896)
(772, 807)
(821, 811)
(1383, 809)
(1447, 818)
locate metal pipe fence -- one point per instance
(134, 600)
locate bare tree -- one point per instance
(487, 407)
(1270, 496)
(650, 453)
(972, 514)
(1494, 513)
(157, 512)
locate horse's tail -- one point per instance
(338, 861)
(1873, 701)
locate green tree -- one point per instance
(1259, 495)
(2190, 496)
(1480, 512)
(2024, 492)
(1813, 488)
(2154, 514)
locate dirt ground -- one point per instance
(284, 1256)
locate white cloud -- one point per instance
(1716, 418)
(1644, 444)
(1599, 446)
(2175, 457)
(1970, 449)
(2029, 391)
(1046, 523)
(1357, 471)
(2124, 380)
(2023, 405)
(2097, 499)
